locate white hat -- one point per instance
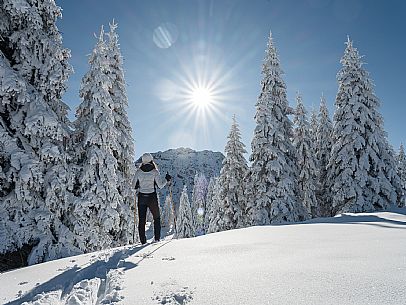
(146, 158)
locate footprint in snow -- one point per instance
(168, 258)
(66, 268)
(144, 255)
(180, 297)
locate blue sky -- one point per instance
(171, 47)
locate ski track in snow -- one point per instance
(98, 282)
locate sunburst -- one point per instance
(202, 97)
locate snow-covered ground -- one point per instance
(352, 259)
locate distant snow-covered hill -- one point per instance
(183, 164)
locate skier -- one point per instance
(146, 180)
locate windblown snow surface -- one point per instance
(350, 259)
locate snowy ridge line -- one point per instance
(183, 164)
(99, 281)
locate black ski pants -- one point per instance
(148, 201)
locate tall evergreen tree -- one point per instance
(306, 160)
(323, 149)
(360, 167)
(272, 183)
(401, 170)
(124, 149)
(102, 212)
(35, 196)
(231, 180)
(125, 143)
(184, 221)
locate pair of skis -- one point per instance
(173, 211)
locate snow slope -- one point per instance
(351, 259)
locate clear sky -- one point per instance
(173, 47)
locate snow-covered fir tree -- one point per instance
(323, 149)
(199, 201)
(360, 167)
(216, 212)
(401, 169)
(209, 201)
(272, 185)
(124, 150)
(184, 220)
(102, 212)
(167, 217)
(306, 159)
(34, 129)
(390, 169)
(231, 180)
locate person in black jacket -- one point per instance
(147, 179)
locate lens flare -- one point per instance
(165, 35)
(200, 211)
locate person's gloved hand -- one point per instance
(168, 177)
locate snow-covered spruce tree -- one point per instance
(390, 169)
(216, 212)
(167, 217)
(199, 201)
(360, 168)
(323, 149)
(124, 152)
(306, 159)
(102, 212)
(272, 183)
(184, 221)
(231, 180)
(401, 169)
(209, 201)
(35, 197)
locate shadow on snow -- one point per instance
(362, 219)
(97, 269)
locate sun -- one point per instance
(197, 96)
(202, 97)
